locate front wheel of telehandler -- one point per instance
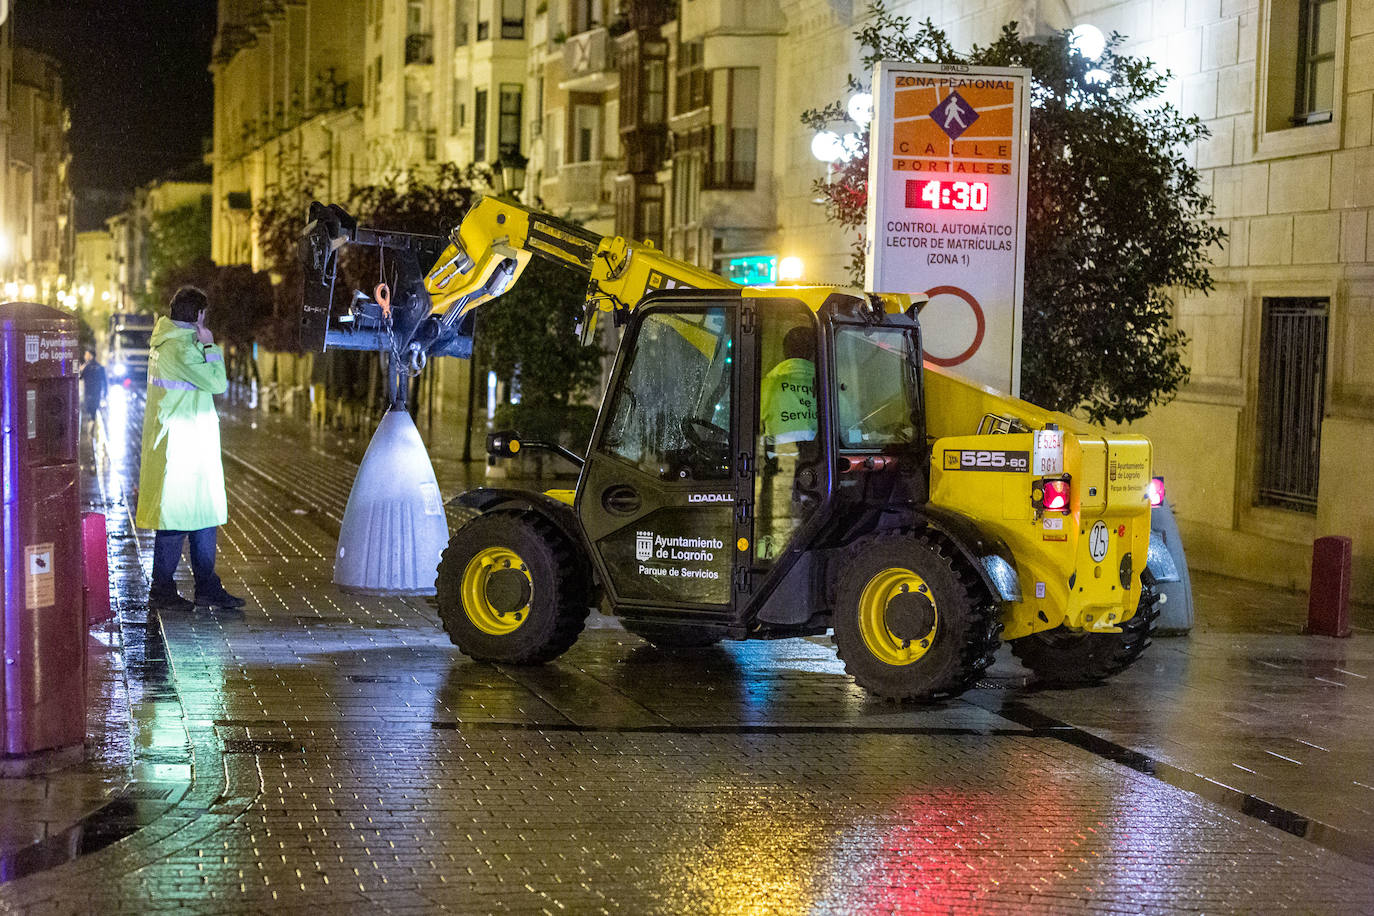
(912, 622)
(512, 589)
(1064, 658)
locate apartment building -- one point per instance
(128, 233)
(38, 206)
(289, 88)
(678, 122)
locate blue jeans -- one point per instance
(167, 556)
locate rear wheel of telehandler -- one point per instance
(512, 588)
(1065, 658)
(911, 623)
(665, 636)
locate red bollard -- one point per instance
(95, 568)
(1328, 601)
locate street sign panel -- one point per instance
(947, 208)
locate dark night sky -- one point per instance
(135, 79)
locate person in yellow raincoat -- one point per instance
(181, 481)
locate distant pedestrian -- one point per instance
(93, 387)
(181, 482)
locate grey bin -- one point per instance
(1170, 568)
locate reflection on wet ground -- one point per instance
(344, 754)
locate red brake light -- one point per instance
(1056, 495)
(1156, 490)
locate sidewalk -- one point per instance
(321, 749)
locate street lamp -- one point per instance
(1088, 41)
(511, 167)
(860, 108)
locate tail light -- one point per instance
(1051, 495)
(1156, 490)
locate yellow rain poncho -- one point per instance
(181, 482)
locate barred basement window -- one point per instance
(1292, 390)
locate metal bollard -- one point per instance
(1328, 600)
(95, 562)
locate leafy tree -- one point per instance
(1116, 218)
(278, 218)
(241, 304)
(198, 271)
(176, 239)
(528, 337)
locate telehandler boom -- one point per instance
(767, 463)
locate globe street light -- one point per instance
(860, 108)
(1088, 41)
(827, 146)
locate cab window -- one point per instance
(671, 414)
(875, 386)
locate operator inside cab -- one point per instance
(789, 424)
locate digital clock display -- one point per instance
(938, 195)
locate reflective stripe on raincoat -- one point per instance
(181, 482)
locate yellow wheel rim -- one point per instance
(878, 593)
(475, 601)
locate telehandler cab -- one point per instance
(767, 463)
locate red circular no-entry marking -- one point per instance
(977, 317)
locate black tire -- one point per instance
(965, 624)
(558, 590)
(1065, 658)
(668, 636)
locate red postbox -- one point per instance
(43, 630)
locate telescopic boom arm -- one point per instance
(439, 286)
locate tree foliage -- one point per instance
(177, 239)
(529, 336)
(1116, 220)
(526, 336)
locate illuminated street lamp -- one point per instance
(860, 108)
(827, 146)
(1088, 41)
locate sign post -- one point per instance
(947, 208)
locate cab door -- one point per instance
(664, 495)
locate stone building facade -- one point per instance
(37, 219)
(679, 122)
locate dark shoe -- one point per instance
(220, 599)
(168, 601)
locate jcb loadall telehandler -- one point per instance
(767, 463)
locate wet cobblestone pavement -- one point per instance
(344, 755)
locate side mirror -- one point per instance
(504, 443)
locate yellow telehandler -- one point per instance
(766, 463)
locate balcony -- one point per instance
(420, 48)
(580, 184)
(588, 63)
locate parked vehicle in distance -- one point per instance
(126, 363)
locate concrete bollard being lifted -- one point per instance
(1328, 600)
(394, 529)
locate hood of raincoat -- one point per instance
(181, 480)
